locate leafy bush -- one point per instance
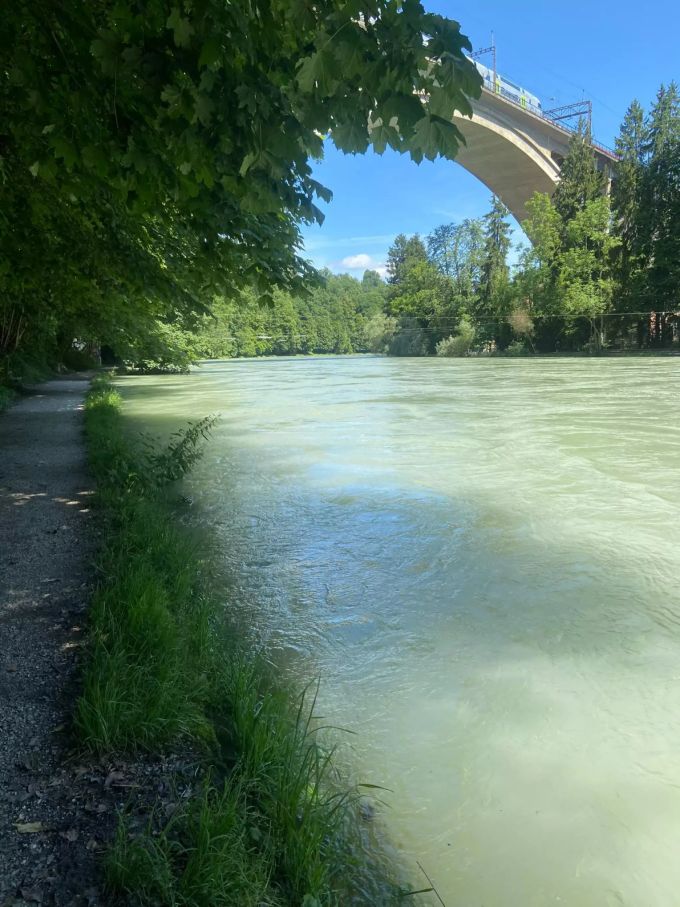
(163, 467)
(516, 348)
(379, 332)
(459, 343)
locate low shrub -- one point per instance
(459, 343)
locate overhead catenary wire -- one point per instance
(485, 322)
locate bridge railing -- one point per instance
(537, 112)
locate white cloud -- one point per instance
(360, 262)
(354, 262)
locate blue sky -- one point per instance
(610, 53)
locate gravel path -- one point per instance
(45, 553)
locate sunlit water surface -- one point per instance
(481, 561)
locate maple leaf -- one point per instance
(181, 27)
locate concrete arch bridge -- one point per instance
(516, 151)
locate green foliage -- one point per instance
(463, 272)
(422, 292)
(410, 338)
(379, 332)
(516, 348)
(495, 275)
(569, 271)
(659, 204)
(586, 263)
(153, 155)
(418, 294)
(331, 318)
(403, 254)
(522, 325)
(204, 856)
(143, 687)
(457, 250)
(585, 279)
(459, 343)
(625, 198)
(543, 227)
(80, 360)
(161, 468)
(580, 181)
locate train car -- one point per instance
(507, 89)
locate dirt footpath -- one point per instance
(48, 838)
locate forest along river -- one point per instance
(480, 559)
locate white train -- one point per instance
(507, 89)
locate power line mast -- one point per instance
(581, 110)
(488, 50)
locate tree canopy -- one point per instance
(153, 154)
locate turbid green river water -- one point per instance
(480, 559)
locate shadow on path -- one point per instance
(45, 552)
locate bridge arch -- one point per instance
(514, 151)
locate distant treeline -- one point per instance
(336, 317)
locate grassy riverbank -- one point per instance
(268, 822)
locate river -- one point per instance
(480, 559)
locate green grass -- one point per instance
(271, 824)
(207, 855)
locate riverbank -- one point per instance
(223, 792)
(254, 813)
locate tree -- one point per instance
(522, 325)
(588, 261)
(580, 182)
(418, 295)
(403, 254)
(373, 294)
(585, 277)
(372, 280)
(379, 332)
(659, 218)
(495, 276)
(156, 153)
(626, 189)
(457, 251)
(535, 283)
(422, 293)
